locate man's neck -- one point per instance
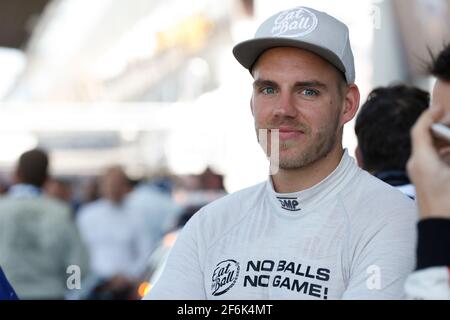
(294, 180)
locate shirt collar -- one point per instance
(295, 203)
(23, 190)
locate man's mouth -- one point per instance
(288, 133)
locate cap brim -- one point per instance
(248, 52)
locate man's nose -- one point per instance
(285, 106)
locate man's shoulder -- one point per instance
(378, 213)
(39, 201)
(45, 206)
(369, 195)
(380, 189)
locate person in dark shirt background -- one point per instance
(383, 127)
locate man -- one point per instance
(39, 240)
(382, 127)
(115, 237)
(320, 227)
(429, 169)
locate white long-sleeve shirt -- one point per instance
(115, 238)
(349, 237)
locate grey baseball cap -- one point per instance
(303, 28)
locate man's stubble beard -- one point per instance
(324, 141)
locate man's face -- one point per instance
(300, 94)
(114, 185)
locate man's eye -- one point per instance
(268, 90)
(310, 92)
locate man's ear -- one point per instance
(251, 106)
(351, 103)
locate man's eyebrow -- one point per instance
(312, 83)
(264, 82)
(299, 84)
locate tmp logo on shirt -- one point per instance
(224, 276)
(289, 203)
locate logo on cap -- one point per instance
(293, 23)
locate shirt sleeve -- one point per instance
(382, 259)
(429, 284)
(182, 277)
(433, 249)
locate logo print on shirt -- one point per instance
(224, 276)
(293, 23)
(289, 204)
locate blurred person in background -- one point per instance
(191, 193)
(193, 190)
(165, 183)
(319, 227)
(383, 127)
(59, 189)
(90, 190)
(156, 211)
(3, 187)
(429, 169)
(211, 180)
(87, 190)
(38, 239)
(116, 238)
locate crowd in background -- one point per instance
(108, 226)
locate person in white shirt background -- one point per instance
(115, 237)
(319, 227)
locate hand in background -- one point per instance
(429, 168)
